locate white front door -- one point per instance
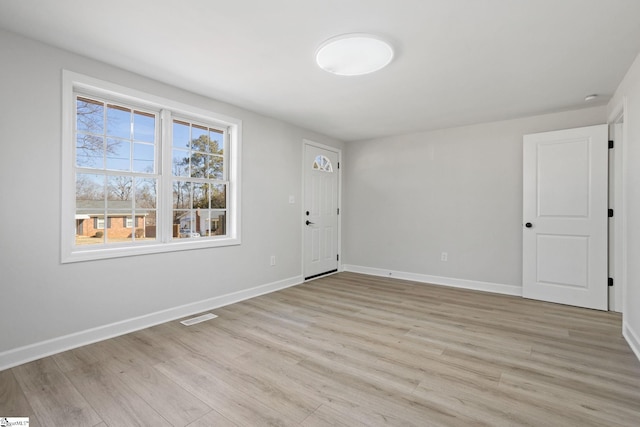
(320, 211)
(565, 205)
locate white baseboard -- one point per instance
(497, 288)
(633, 339)
(28, 353)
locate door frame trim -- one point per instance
(618, 253)
(338, 151)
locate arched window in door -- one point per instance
(323, 164)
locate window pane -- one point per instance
(118, 154)
(215, 167)
(211, 222)
(184, 223)
(189, 223)
(89, 116)
(146, 226)
(143, 158)
(116, 230)
(139, 229)
(180, 163)
(181, 195)
(217, 141)
(201, 195)
(181, 136)
(200, 134)
(90, 151)
(90, 191)
(120, 191)
(90, 194)
(203, 143)
(144, 127)
(322, 163)
(146, 194)
(118, 122)
(86, 234)
(198, 165)
(144, 223)
(219, 196)
(217, 223)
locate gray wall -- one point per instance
(42, 299)
(409, 198)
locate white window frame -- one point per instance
(70, 252)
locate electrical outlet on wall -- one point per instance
(444, 256)
(273, 260)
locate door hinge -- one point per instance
(610, 144)
(338, 211)
(337, 257)
(610, 213)
(610, 281)
(338, 165)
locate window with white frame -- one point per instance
(199, 187)
(161, 175)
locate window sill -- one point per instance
(93, 254)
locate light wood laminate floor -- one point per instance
(346, 350)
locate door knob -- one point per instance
(309, 222)
(528, 225)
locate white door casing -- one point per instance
(565, 201)
(617, 235)
(321, 204)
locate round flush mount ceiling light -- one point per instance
(590, 97)
(354, 54)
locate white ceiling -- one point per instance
(457, 61)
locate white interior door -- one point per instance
(321, 211)
(565, 205)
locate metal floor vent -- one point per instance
(198, 319)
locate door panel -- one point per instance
(565, 216)
(563, 180)
(561, 260)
